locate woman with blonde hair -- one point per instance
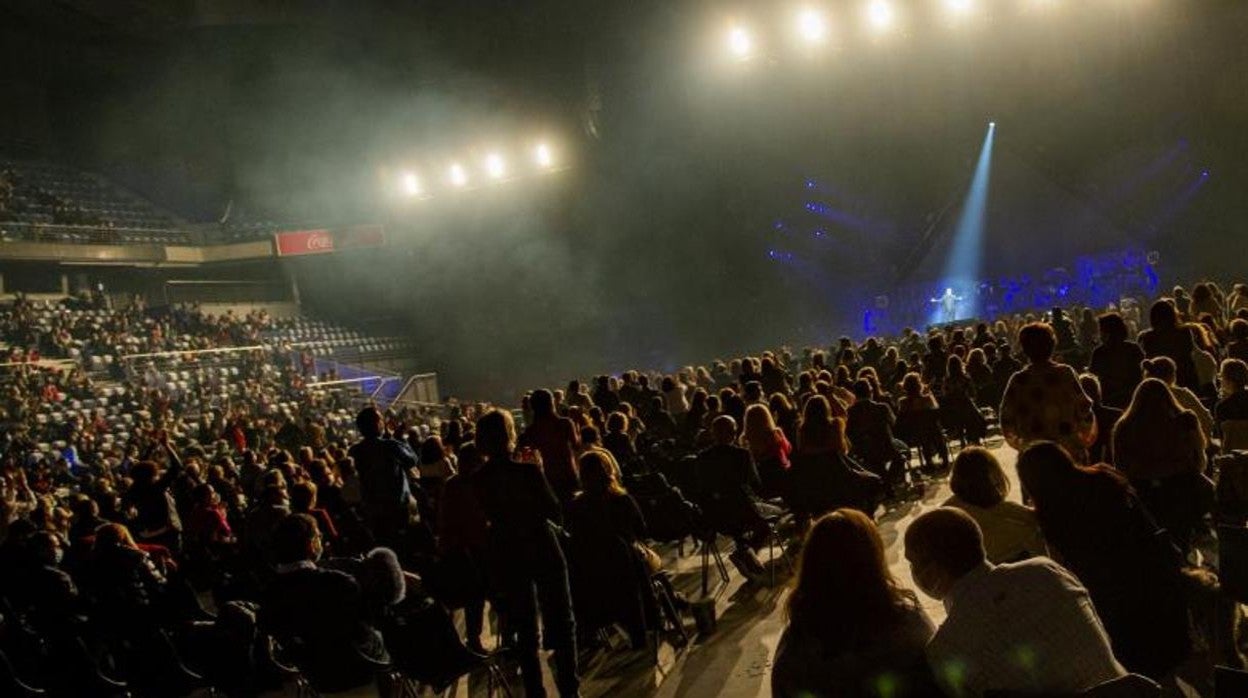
(852, 629)
(768, 447)
(609, 565)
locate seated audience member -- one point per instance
(318, 615)
(1096, 525)
(852, 629)
(959, 412)
(1158, 446)
(1025, 626)
(1116, 361)
(619, 443)
(1162, 368)
(610, 565)
(823, 476)
(869, 427)
(1106, 418)
(1044, 401)
(918, 420)
(979, 485)
(1231, 412)
(525, 562)
(726, 485)
(1170, 338)
(303, 500)
(769, 448)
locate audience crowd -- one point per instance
(217, 521)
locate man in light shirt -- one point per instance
(1028, 626)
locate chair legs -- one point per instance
(710, 548)
(668, 610)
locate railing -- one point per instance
(92, 234)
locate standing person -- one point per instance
(1170, 338)
(525, 559)
(1116, 361)
(383, 465)
(852, 629)
(1043, 402)
(1026, 627)
(557, 440)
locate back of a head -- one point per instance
(1163, 315)
(292, 539)
(947, 540)
(1239, 329)
(1112, 327)
(862, 389)
(1038, 341)
(1047, 473)
(542, 402)
(496, 433)
(977, 478)
(724, 429)
(843, 585)
(369, 422)
(597, 469)
(1160, 367)
(618, 422)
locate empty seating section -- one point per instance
(326, 340)
(58, 203)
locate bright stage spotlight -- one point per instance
(458, 175)
(740, 43)
(543, 156)
(959, 7)
(881, 15)
(411, 184)
(495, 166)
(811, 25)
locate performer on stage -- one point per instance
(948, 305)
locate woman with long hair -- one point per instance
(1096, 526)
(1159, 447)
(958, 409)
(918, 420)
(768, 447)
(608, 564)
(822, 476)
(852, 629)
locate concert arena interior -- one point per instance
(660, 348)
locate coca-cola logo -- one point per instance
(319, 241)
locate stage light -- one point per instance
(959, 7)
(880, 14)
(811, 25)
(740, 44)
(411, 184)
(992, 124)
(543, 155)
(495, 166)
(458, 176)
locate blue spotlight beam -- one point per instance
(962, 267)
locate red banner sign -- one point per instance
(321, 241)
